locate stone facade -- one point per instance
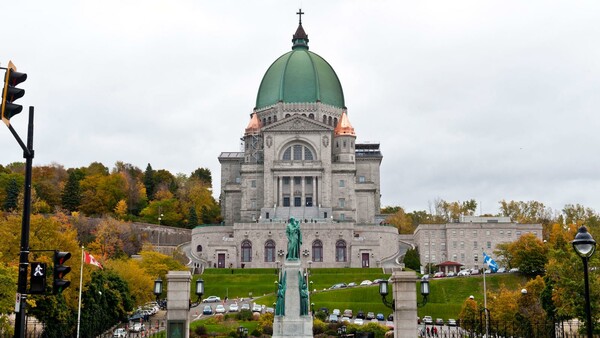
(466, 240)
(301, 160)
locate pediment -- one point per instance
(297, 123)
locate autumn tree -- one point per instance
(138, 280)
(528, 212)
(401, 220)
(48, 182)
(204, 175)
(528, 253)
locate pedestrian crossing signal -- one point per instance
(37, 280)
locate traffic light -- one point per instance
(38, 278)
(10, 93)
(60, 270)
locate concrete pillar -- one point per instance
(178, 304)
(303, 196)
(280, 185)
(404, 285)
(314, 191)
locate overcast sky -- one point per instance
(484, 100)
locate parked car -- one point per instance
(351, 284)
(464, 273)
(345, 320)
(333, 318)
(212, 299)
(136, 317)
(207, 310)
(348, 313)
(439, 321)
(246, 306)
(501, 270)
(514, 270)
(380, 316)
(256, 308)
(450, 274)
(325, 310)
(233, 307)
(451, 322)
(475, 271)
(336, 312)
(378, 280)
(220, 309)
(427, 320)
(269, 310)
(359, 321)
(366, 282)
(360, 314)
(338, 286)
(137, 327)
(390, 324)
(439, 274)
(370, 315)
(390, 317)
(120, 333)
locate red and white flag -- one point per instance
(89, 259)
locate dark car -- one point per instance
(324, 310)
(207, 310)
(360, 314)
(390, 317)
(380, 317)
(136, 317)
(370, 315)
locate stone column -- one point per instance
(178, 304)
(303, 194)
(314, 191)
(280, 179)
(404, 285)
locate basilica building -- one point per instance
(300, 160)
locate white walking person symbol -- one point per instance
(38, 271)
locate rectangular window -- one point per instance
(342, 183)
(462, 245)
(443, 245)
(342, 217)
(342, 203)
(501, 232)
(297, 201)
(489, 245)
(487, 233)
(474, 232)
(454, 257)
(433, 258)
(462, 257)
(454, 244)
(309, 202)
(286, 201)
(462, 233)
(476, 258)
(453, 233)
(253, 183)
(297, 180)
(286, 180)
(308, 180)
(238, 180)
(508, 233)
(253, 204)
(518, 233)
(361, 179)
(474, 244)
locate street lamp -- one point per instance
(158, 284)
(242, 331)
(585, 245)
(199, 289)
(342, 330)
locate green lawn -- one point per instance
(446, 298)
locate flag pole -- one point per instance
(80, 283)
(485, 294)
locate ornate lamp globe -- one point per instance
(158, 287)
(584, 244)
(199, 287)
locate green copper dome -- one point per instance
(300, 76)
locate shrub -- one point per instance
(319, 326)
(245, 315)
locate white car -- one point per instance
(233, 308)
(464, 273)
(220, 309)
(359, 321)
(212, 299)
(336, 312)
(427, 320)
(256, 308)
(120, 333)
(366, 282)
(137, 327)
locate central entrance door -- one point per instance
(221, 261)
(365, 260)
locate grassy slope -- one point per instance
(445, 301)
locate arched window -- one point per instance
(335, 122)
(317, 251)
(329, 121)
(298, 152)
(275, 118)
(246, 251)
(303, 114)
(311, 116)
(264, 122)
(269, 120)
(340, 251)
(199, 248)
(287, 115)
(270, 251)
(324, 119)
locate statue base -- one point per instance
(292, 324)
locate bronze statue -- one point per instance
(294, 239)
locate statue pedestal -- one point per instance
(292, 324)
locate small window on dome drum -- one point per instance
(324, 119)
(311, 116)
(335, 122)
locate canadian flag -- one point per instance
(89, 259)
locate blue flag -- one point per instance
(490, 262)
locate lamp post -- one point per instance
(199, 289)
(158, 284)
(342, 331)
(242, 331)
(585, 245)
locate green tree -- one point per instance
(71, 196)
(412, 260)
(12, 196)
(192, 218)
(149, 182)
(402, 221)
(204, 175)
